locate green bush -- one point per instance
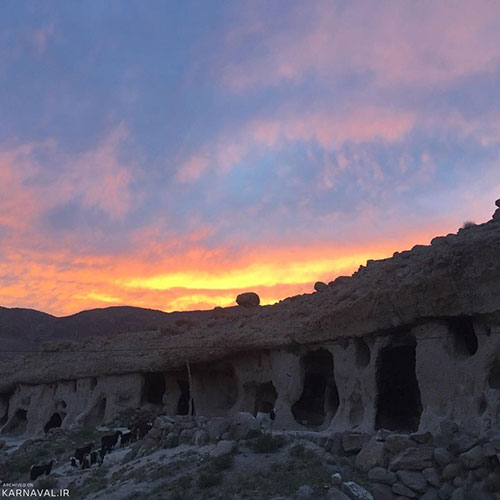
(209, 478)
(223, 462)
(266, 444)
(184, 482)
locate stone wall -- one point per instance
(407, 380)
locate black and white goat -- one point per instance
(38, 470)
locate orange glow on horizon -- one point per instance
(64, 284)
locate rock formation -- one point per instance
(248, 299)
(402, 344)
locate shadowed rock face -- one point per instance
(435, 307)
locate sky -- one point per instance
(172, 154)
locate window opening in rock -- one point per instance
(54, 421)
(265, 398)
(464, 336)
(363, 355)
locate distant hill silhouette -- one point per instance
(27, 329)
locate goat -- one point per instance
(85, 462)
(109, 442)
(142, 428)
(38, 470)
(81, 452)
(72, 462)
(96, 457)
(126, 438)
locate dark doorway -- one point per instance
(464, 336)
(265, 398)
(54, 421)
(398, 400)
(153, 388)
(183, 403)
(319, 397)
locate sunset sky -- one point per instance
(171, 154)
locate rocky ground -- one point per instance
(200, 458)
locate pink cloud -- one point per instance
(96, 178)
(330, 130)
(399, 42)
(192, 168)
(99, 178)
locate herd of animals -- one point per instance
(85, 457)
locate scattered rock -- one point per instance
(242, 423)
(372, 455)
(414, 480)
(402, 490)
(432, 477)
(412, 459)
(353, 442)
(223, 448)
(445, 491)
(319, 286)
(355, 491)
(430, 495)
(458, 494)
(422, 437)
(451, 471)
(397, 442)
(489, 450)
(442, 456)
(473, 459)
(382, 492)
(497, 203)
(216, 427)
(305, 493)
(381, 475)
(336, 494)
(462, 443)
(248, 299)
(186, 436)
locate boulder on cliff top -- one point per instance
(320, 286)
(248, 299)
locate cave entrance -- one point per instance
(96, 414)
(398, 396)
(464, 336)
(265, 398)
(319, 399)
(54, 421)
(17, 424)
(154, 388)
(183, 402)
